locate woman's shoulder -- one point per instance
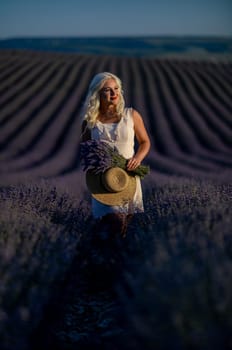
(128, 110)
(132, 113)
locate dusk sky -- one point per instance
(30, 18)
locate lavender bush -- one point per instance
(39, 232)
(177, 280)
(171, 276)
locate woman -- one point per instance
(107, 119)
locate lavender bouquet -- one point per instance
(98, 156)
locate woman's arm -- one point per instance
(85, 132)
(143, 140)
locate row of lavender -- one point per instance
(186, 106)
(171, 275)
(40, 229)
(187, 109)
(177, 276)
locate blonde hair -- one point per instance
(92, 101)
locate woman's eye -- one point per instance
(109, 89)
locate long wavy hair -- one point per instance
(92, 101)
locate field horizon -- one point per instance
(182, 47)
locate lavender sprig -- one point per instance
(99, 156)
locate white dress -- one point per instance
(122, 136)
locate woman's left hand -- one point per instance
(132, 163)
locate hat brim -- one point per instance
(98, 191)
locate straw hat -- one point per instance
(113, 187)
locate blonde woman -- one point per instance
(105, 118)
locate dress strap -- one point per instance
(129, 114)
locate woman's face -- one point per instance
(109, 93)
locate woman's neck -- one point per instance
(109, 116)
(107, 110)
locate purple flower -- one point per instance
(98, 156)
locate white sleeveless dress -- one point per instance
(122, 136)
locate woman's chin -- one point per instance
(114, 102)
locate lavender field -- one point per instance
(168, 283)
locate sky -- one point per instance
(46, 18)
